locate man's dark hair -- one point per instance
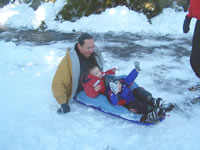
(84, 36)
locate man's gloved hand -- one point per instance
(186, 24)
(63, 109)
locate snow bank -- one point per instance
(119, 19)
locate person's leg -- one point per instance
(150, 113)
(143, 95)
(133, 86)
(195, 54)
(140, 107)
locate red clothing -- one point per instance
(109, 72)
(194, 10)
(92, 81)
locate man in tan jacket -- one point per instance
(66, 79)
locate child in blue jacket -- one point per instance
(119, 93)
(136, 100)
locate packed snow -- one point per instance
(28, 118)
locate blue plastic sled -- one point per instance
(102, 104)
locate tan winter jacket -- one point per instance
(66, 79)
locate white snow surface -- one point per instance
(28, 118)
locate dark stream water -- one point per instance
(112, 41)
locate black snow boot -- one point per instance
(151, 117)
(160, 112)
(167, 107)
(156, 102)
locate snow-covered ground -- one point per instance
(28, 118)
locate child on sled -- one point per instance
(119, 92)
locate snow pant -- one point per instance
(141, 107)
(195, 54)
(141, 94)
(142, 103)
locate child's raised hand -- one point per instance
(114, 69)
(97, 88)
(137, 65)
